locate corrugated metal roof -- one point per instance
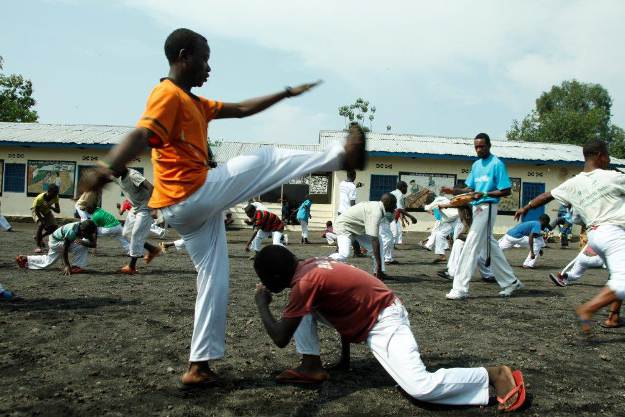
(62, 134)
(381, 143)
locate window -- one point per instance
(381, 184)
(14, 178)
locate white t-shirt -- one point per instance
(132, 186)
(598, 196)
(362, 219)
(401, 198)
(347, 194)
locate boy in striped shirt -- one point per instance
(265, 224)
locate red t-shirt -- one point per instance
(349, 298)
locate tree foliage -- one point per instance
(572, 112)
(360, 112)
(16, 101)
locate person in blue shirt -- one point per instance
(528, 234)
(488, 181)
(565, 223)
(303, 214)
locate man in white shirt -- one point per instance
(598, 196)
(400, 195)
(362, 223)
(347, 198)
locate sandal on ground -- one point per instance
(293, 376)
(606, 325)
(204, 381)
(519, 388)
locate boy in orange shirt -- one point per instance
(192, 193)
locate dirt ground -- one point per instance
(105, 344)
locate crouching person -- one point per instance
(74, 238)
(362, 309)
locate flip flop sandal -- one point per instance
(519, 388)
(293, 376)
(621, 323)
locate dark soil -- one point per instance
(105, 344)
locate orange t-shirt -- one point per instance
(349, 298)
(179, 121)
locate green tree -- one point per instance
(572, 112)
(359, 112)
(16, 99)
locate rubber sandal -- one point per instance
(519, 388)
(293, 376)
(621, 323)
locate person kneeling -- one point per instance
(362, 309)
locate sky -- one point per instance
(444, 68)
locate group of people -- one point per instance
(191, 192)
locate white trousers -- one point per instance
(507, 242)
(198, 219)
(608, 241)
(387, 241)
(136, 230)
(344, 244)
(398, 231)
(304, 225)
(179, 244)
(392, 343)
(77, 255)
(257, 243)
(475, 245)
(458, 228)
(4, 224)
(432, 237)
(454, 261)
(331, 238)
(82, 213)
(581, 263)
(441, 244)
(116, 232)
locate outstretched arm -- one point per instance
(538, 201)
(249, 242)
(255, 105)
(281, 331)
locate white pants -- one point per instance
(398, 231)
(344, 243)
(304, 224)
(386, 240)
(454, 261)
(432, 237)
(261, 234)
(441, 244)
(581, 263)
(4, 224)
(116, 231)
(608, 241)
(331, 238)
(157, 231)
(507, 242)
(475, 245)
(136, 230)
(179, 244)
(78, 255)
(199, 221)
(392, 343)
(458, 228)
(82, 213)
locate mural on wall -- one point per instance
(510, 204)
(43, 173)
(422, 185)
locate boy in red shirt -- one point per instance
(265, 224)
(192, 193)
(362, 309)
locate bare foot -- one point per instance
(501, 378)
(355, 149)
(584, 317)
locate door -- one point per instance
(381, 184)
(531, 190)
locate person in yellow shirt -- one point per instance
(192, 192)
(43, 206)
